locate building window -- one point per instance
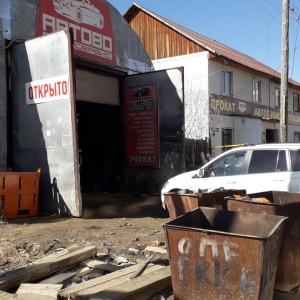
(277, 97)
(296, 136)
(256, 90)
(295, 102)
(226, 82)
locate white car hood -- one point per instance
(181, 181)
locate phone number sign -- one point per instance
(141, 113)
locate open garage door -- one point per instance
(44, 120)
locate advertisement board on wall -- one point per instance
(91, 24)
(141, 109)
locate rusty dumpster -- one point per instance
(219, 254)
(282, 204)
(19, 193)
(179, 204)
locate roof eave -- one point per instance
(130, 10)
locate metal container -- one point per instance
(19, 194)
(180, 204)
(218, 254)
(282, 204)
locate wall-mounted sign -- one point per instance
(234, 107)
(141, 111)
(265, 112)
(230, 106)
(90, 22)
(52, 89)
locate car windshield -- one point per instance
(231, 164)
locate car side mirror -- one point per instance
(201, 172)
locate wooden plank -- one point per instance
(167, 43)
(143, 266)
(112, 284)
(83, 271)
(30, 289)
(7, 296)
(156, 250)
(96, 264)
(33, 297)
(95, 285)
(35, 272)
(96, 281)
(59, 278)
(139, 288)
(57, 254)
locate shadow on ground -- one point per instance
(106, 205)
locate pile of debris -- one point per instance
(84, 273)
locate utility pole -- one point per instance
(284, 71)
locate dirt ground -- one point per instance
(121, 225)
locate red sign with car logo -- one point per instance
(142, 126)
(90, 22)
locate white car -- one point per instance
(254, 168)
(81, 11)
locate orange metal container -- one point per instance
(19, 193)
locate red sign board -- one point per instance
(90, 22)
(141, 110)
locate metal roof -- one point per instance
(218, 49)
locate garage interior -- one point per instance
(99, 129)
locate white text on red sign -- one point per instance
(84, 39)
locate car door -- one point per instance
(295, 171)
(226, 172)
(268, 170)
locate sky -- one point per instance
(253, 27)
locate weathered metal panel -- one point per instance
(196, 88)
(283, 204)
(5, 16)
(44, 134)
(223, 254)
(3, 106)
(130, 52)
(20, 18)
(171, 135)
(179, 204)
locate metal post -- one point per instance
(3, 102)
(284, 71)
